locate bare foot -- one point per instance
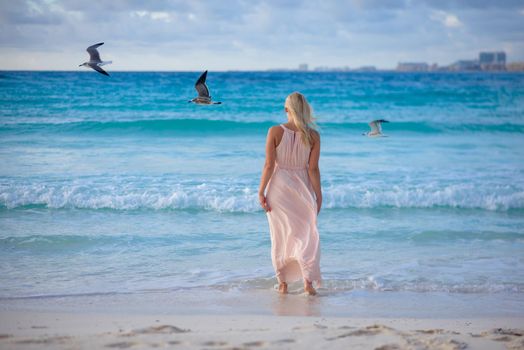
(282, 288)
(308, 288)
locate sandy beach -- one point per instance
(32, 330)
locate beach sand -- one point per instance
(239, 320)
(261, 319)
(52, 330)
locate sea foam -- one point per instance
(222, 197)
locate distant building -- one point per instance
(465, 65)
(303, 67)
(515, 67)
(492, 60)
(412, 67)
(487, 61)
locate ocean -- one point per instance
(118, 186)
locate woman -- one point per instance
(291, 195)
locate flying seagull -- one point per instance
(203, 92)
(94, 59)
(376, 128)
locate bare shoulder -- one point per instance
(275, 131)
(315, 135)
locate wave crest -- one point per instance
(222, 197)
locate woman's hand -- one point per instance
(263, 202)
(319, 204)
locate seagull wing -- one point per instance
(94, 56)
(375, 127)
(98, 69)
(201, 86)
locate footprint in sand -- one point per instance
(121, 345)
(346, 327)
(164, 329)
(512, 337)
(504, 331)
(254, 343)
(284, 341)
(214, 343)
(44, 341)
(369, 330)
(453, 344)
(389, 347)
(430, 331)
(503, 338)
(438, 343)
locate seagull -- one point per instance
(94, 59)
(376, 128)
(203, 92)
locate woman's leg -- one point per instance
(308, 287)
(282, 288)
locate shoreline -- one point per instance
(236, 301)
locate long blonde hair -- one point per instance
(301, 114)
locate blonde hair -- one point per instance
(301, 114)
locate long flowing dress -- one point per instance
(295, 244)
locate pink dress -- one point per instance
(295, 244)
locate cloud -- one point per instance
(239, 34)
(447, 19)
(154, 15)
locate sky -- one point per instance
(187, 35)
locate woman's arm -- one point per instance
(269, 166)
(314, 171)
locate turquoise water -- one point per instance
(118, 185)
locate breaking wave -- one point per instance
(243, 198)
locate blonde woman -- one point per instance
(291, 195)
